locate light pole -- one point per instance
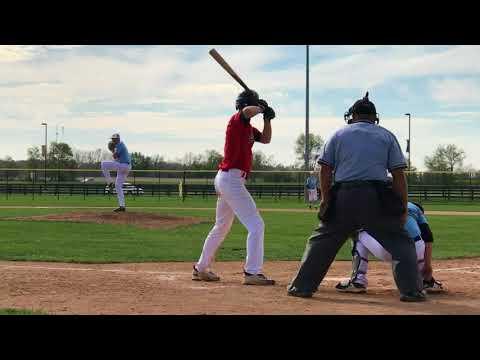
(45, 154)
(307, 130)
(56, 132)
(408, 142)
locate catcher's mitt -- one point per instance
(111, 146)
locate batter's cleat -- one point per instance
(413, 297)
(257, 279)
(293, 291)
(348, 286)
(204, 275)
(433, 286)
(120, 209)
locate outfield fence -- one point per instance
(185, 183)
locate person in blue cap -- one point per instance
(311, 185)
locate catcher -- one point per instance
(418, 229)
(121, 164)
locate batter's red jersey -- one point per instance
(239, 140)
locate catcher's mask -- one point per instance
(116, 138)
(246, 98)
(361, 107)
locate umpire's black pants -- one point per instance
(358, 208)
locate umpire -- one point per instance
(356, 195)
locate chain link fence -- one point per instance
(184, 183)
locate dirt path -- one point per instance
(166, 288)
(431, 212)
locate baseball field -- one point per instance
(74, 256)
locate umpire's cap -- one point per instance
(361, 107)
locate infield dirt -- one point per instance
(167, 288)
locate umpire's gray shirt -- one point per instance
(362, 151)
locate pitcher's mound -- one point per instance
(140, 219)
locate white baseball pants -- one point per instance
(367, 244)
(122, 173)
(234, 199)
(312, 195)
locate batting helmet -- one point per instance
(361, 107)
(246, 98)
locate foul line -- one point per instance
(432, 212)
(171, 275)
(459, 269)
(121, 271)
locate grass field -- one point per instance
(285, 237)
(209, 202)
(21, 312)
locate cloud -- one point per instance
(175, 99)
(14, 53)
(454, 92)
(366, 69)
(18, 53)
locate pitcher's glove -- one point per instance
(268, 114)
(111, 146)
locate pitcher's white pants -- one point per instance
(234, 199)
(367, 244)
(122, 173)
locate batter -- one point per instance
(233, 197)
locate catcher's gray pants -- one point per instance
(366, 244)
(358, 208)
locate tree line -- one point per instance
(60, 155)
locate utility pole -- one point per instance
(307, 130)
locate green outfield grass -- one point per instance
(285, 238)
(195, 201)
(21, 312)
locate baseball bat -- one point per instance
(221, 61)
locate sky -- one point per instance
(170, 100)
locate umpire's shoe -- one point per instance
(120, 209)
(413, 296)
(204, 275)
(257, 279)
(293, 291)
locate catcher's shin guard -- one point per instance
(359, 266)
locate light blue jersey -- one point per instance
(362, 151)
(122, 152)
(414, 219)
(311, 183)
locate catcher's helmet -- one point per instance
(419, 206)
(246, 98)
(361, 107)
